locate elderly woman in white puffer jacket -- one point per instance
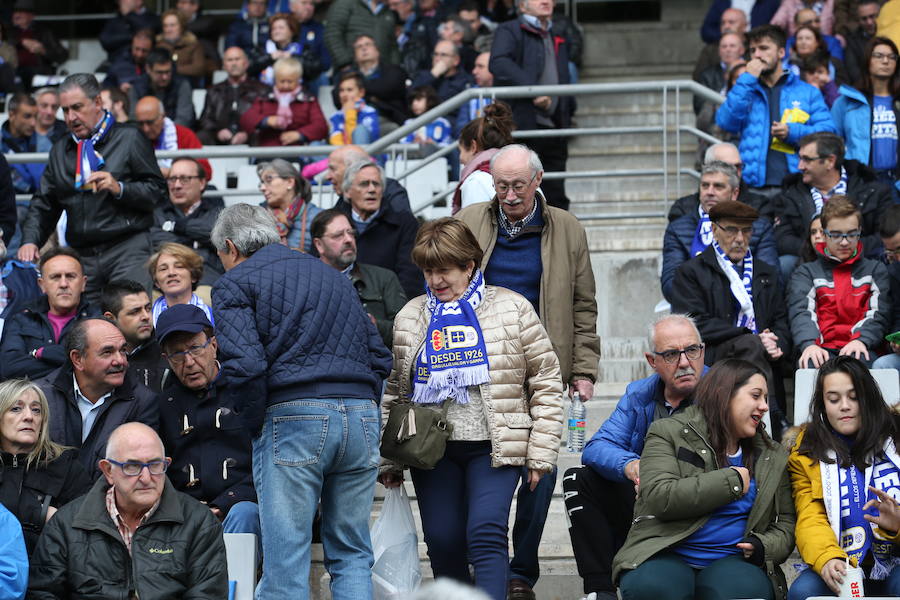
(506, 413)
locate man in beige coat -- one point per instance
(540, 252)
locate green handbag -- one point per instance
(415, 435)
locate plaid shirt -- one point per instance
(113, 511)
(514, 229)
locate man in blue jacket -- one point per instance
(771, 109)
(600, 493)
(303, 366)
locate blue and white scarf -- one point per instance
(703, 236)
(840, 188)
(88, 159)
(741, 284)
(167, 140)
(454, 356)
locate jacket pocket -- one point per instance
(690, 457)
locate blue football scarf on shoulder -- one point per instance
(741, 285)
(88, 159)
(454, 356)
(703, 236)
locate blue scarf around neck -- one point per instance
(454, 355)
(88, 159)
(703, 236)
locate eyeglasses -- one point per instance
(883, 56)
(178, 358)
(692, 352)
(133, 469)
(810, 158)
(363, 185)
(340, 234)
(182, 179)
(733, 231)
(892, 255)
(268, 179)
(518, 187)
(850, 236)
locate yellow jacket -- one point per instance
(816, 535)
(889, 21)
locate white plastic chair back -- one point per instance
(240, 548)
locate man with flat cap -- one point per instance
(210, 448)
(733, 296)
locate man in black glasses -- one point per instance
(734, 295)
(210, 448)
(840, 302)
(825, 173)
(132, 535)
(188, 218)
(93, 392)
(600, 493)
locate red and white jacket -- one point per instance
(832, 303)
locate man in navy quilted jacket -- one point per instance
(304, 367)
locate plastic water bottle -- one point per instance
(577, 418)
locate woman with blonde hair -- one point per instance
(37, 476)
(479, 353)
(175, 271)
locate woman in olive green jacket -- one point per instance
(714, 516)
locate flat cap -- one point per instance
(733, 210)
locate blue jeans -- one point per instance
(310, 449)
(888, 361)
(464, 504)
(531, 514)
(809, 584)
(244, 518)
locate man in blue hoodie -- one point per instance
(600, 493)
(771, 109)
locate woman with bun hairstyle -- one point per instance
(479, 141)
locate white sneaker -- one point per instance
(591, 596)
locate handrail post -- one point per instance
(677, 141)
(665, 142)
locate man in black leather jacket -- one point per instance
(110, 212)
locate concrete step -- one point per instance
(627, 156)
(626, 189)
(624, 235)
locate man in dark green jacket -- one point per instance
(379, 289)
(132, 535)
(347, 19)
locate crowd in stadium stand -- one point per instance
(175, 366)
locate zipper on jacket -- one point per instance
(708, 445)
(642, 518)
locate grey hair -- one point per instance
(710, 154)
(86, 82)
(456, 23)
(45, 90)
(448, 589)
(354, 168)
(534, 162)
(283, 169)
(672, 318)
(717, 166)
(76, 338)
(248, 227)
(288, 64)
(113, 441)
(351, 156)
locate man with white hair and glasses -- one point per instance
(542, 253)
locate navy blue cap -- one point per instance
(181, 317)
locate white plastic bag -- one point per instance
(395, 573)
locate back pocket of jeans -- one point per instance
(299, 440)
(372, 430)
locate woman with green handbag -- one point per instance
(479, 355)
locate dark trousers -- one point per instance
(553, 152)
(667, 577)
(124, 260)
(531, 514)
(464, 504)
(749, 347)
(600, 513)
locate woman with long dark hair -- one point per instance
(866, 116)
(842, 464)
(713, 517)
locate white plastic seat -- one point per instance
(199, 99)
(247, 180)
(240, 549)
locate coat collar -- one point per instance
(92, 514)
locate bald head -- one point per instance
(807, 17)
(339, 160)
(125, 438)
(734, 20)
(726, 153)
(149, 113)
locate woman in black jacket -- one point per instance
(37, 476)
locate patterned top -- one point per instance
(513, 229)
(119, 522)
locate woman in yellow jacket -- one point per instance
(845, 472)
